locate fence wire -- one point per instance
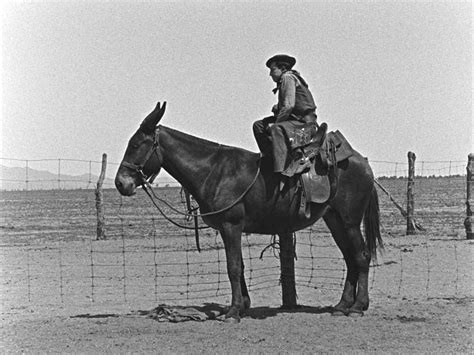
(50, 255)
(52, 174)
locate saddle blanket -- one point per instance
(342, 148)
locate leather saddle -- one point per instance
(305, 144)
(313, 159)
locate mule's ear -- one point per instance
(162, 110)
(150, 121)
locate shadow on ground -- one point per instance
(267, 312)
(209, 311)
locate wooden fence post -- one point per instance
(99, 201)
(468, 220)
(411, 228)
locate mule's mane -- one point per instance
(191, 160)
(198, 143)
(188, 138)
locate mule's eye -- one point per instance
(134, 144)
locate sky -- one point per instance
(79, 77)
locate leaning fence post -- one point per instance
(468, 220)
(411, 228)
(99, 201)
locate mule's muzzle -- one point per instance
(125, 184)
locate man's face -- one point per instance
(275, 73)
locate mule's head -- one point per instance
(142, 157)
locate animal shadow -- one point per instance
(267, 312)
(208, 311)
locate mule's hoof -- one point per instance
(356, 314)
(337, 313)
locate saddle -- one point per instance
(313, 159)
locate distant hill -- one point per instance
(15, 178)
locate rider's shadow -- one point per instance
(267, 312)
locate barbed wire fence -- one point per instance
(50, 255)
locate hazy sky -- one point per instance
(78, 77)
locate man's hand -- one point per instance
(268, 127)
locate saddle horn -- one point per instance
(150, 121)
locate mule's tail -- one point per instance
(372, 224)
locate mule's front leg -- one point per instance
(232, 237)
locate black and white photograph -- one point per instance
(236, 177)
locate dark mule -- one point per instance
(218, 175)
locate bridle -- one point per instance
(138, 168)
(147, 181)
(192, 212)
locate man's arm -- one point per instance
(286, 97)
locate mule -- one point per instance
(238, 192)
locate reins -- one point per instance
(146, 185)
(191, 211)
(193, 214)
(152, 198)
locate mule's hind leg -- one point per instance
(350, 241)
(336, 226)
(361, 258)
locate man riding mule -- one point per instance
(295, 110)
(238, 192)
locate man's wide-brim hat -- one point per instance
(281, 58)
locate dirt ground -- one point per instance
(421, 288)
(390, 326)
(409, 314)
